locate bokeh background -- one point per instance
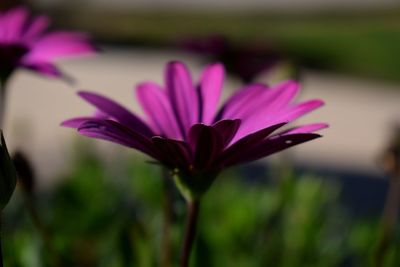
(319, 204)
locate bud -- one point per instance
(8, 177)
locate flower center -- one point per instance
(10, 57)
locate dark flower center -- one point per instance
(10, 57)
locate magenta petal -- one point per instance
(270, 146)
(270, 102)
(59, 44)
(182, 95)
(117, 112)
(36, 28)
(299, 110)
(206, 144)
(227, 129)
(238, 104)
(248, 143)
(117, 133)
(279, 97)
(154, 102)
(173, 153)
(75, 122)
(309, 128)
(267, 107)
(46, 69)
(12, 23)
(210, 88)
(98, 114)
(287, 114)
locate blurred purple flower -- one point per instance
(25, 42)
(185, 131)
(244, 61)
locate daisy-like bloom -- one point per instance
(185, 130)
(246, 61)
(26, 43)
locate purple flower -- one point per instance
(246, 61)
(186, 131)
(25, 42)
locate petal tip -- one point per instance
(65, 123)
(319, 102)
(217, 65)
(83, 93)
(173, 64)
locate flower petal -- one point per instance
(12, 23)
(206, 144)
(210, 88)
(173, 153)
(299, 110)
(117, 112)
(309, 128)
(227, 129)
(117, 133)
(270, 146)
(75, 122)
(35, 28)
(182, 95)
(154, 102)
(267, 107)
(238, 104)
(247, 143)
(46, 69)
(279, 97)
(59, 44)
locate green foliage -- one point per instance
(111, 214)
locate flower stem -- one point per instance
(190, 232)
(388, 221)
(41, 228)
(165, 257)
(392, 205)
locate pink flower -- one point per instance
(25, 42)
(246, 61)
(186, 131)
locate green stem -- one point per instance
(190, 232)
(389, 219)
(41, 228)
(392, 205)
(165, 257)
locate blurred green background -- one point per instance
(112, 214)
(363, 43)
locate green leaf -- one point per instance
(8, 176)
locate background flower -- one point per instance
(246, 62)
(25, 42)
